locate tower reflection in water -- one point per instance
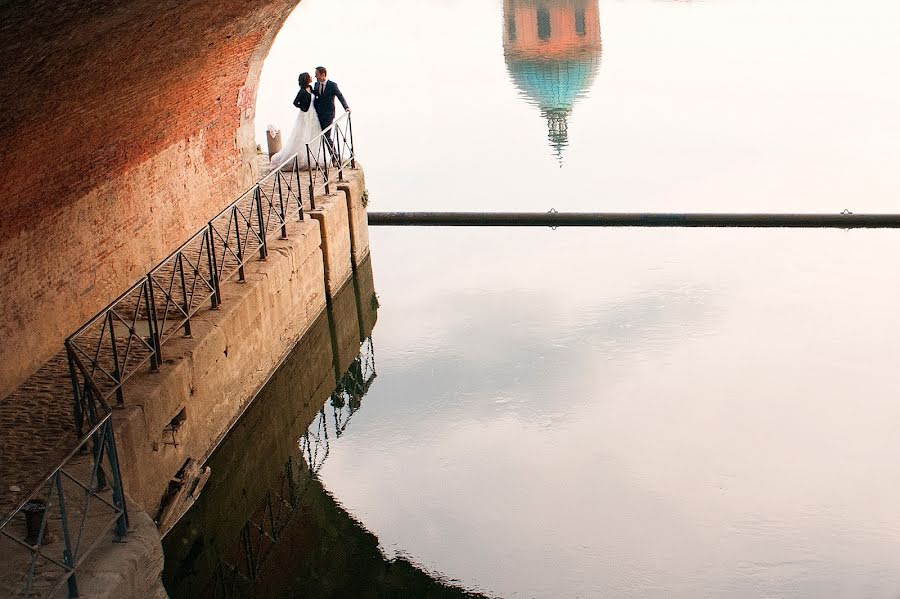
(552, 50)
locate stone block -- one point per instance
(353, 187)
(331, 214)
(366, 299)
(213, 374)
(345, 328)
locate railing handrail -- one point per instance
(317, 138)
(147, 280)
(181, 248)
(236, 250)
(103, 312)
(243, 196)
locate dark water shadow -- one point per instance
(264, 525)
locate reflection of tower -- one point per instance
(552, 49)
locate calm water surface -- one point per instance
(624, 413)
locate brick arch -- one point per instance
(124, 125)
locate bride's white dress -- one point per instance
(306, 129)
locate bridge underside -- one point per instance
(124, 125)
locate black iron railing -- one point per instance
(328, 155)
(353, 386)
(129, 334)
(131, 331)
(73, 508)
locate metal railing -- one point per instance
(131, 331)
(127, 335)
(78, 500)
(328, 155)
(353, 386)
(243, 561)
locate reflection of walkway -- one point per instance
(264, 526)
(244, 562)
(300, 542)
(252, 492)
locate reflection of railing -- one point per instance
(353, 386)
(332, 149)
(239, 568)
(314, 445)
(78, 499)
(345, 401)
(131, 331)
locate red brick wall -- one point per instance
(124, 125)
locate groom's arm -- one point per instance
(340, 97)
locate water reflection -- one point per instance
(265, 526)
(552, 50)
(345, 401)
(347, 397)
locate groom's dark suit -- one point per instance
(324, 104)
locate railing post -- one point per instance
(97, 439)
(263, 248)
(78, 406)
(296, 175)
(117, 373)
(340, 157)
(118, 495)
(213, 267)
(312, 184)
(352, 145)
(184, 304)
(326, 150)
(240, 249)
(153, 325)
(68, 558)
(279, 182)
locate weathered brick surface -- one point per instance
(123, 127)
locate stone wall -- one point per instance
(124, 126)
(253, 456)
(209, 377)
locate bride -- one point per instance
(306, 129)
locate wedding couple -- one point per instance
(311, 123)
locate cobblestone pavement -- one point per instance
(37, 430)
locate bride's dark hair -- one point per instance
(305, 80)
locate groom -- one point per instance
(326, 91)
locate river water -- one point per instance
(623, 413)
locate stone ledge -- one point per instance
(353, 186)
(331, 214)
(213, 374)
(131, 569)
